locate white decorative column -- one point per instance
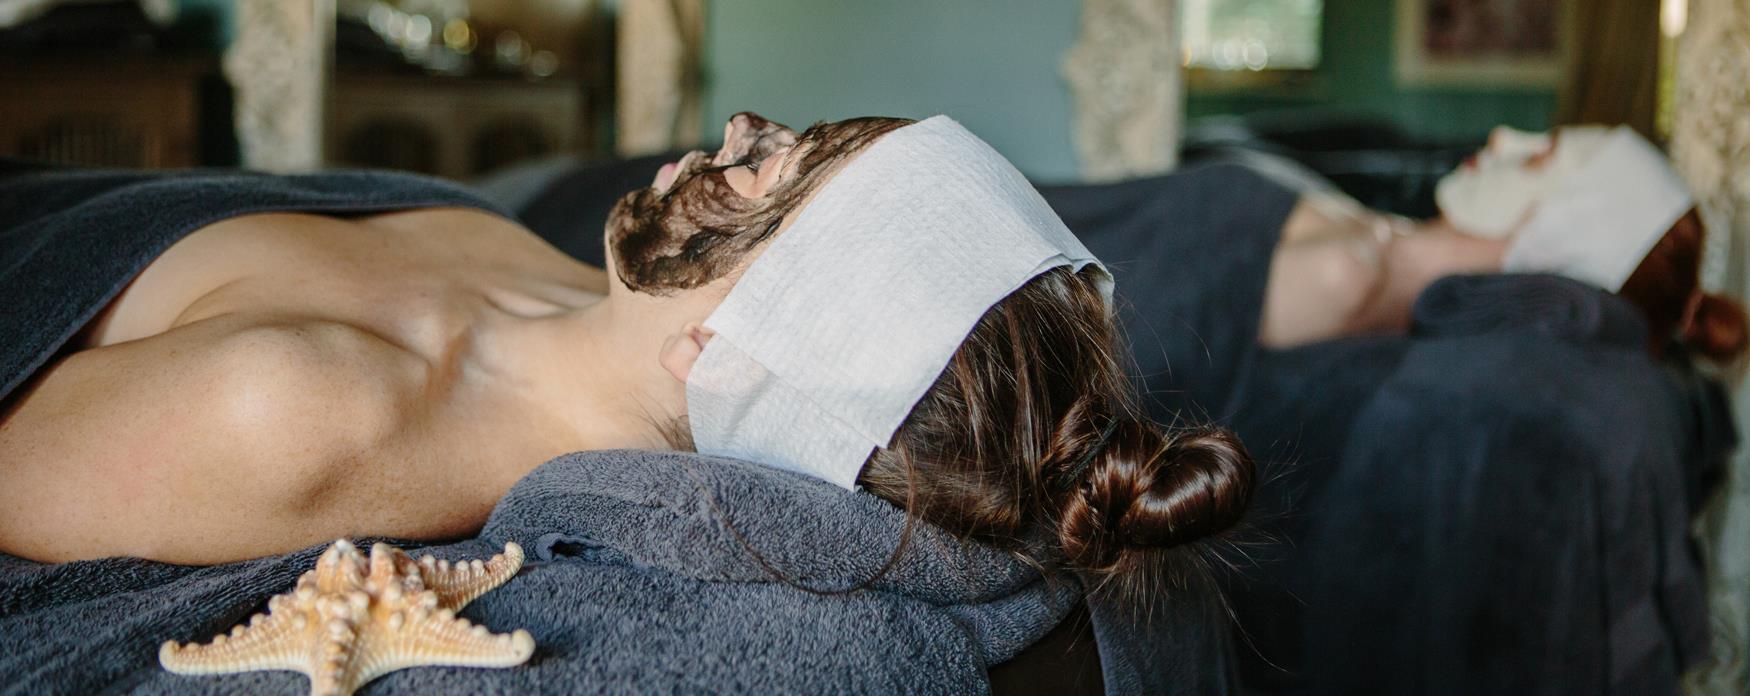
(659, 63)
(1710, 142)
(1125, 76)
(278, 68)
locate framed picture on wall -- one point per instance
(1481, 42)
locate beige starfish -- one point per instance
(347, 623)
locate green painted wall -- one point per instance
(1357, 72)
(992, 65)
(212, 17)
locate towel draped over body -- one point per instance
(647, 571)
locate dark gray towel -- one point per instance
(636, 580)
(71, 239)
(1191, 256)
(1495, 503)
(1549, 305)
(635, 583)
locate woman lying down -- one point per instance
(875, 302)
(878, 303)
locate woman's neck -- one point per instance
(592, 369)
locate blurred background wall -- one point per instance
(799, 61)
(997, 71)
(217, 15)
(998, 67)
(1357, 72)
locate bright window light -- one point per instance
(1250, 34)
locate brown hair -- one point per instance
(699, 228)
(1665, 285)
(1031, 439)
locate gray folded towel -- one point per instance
(636, 582)
(638, 579)
(1551, 305)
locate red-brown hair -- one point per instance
(1665, 287)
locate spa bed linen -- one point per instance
(1496, 502)
(644, 569)
(635, 584)
(71, 239)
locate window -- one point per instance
(1250, 35)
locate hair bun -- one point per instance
(1148, 490)
(1718, 330)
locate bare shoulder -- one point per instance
(160, 432)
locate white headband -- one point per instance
(842, 324)
(1604, 217)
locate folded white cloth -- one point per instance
(1597, 222)
(836, 330)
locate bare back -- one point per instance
(277, 380)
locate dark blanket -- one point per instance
(639, 578)
(71, 239)
(1498, 502)
(636, 583)
(1506, 509)
(1495, 503)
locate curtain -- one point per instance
(1124, 75)
(1612, 74)
(1710, 143)
(659, 64)
(277, 64)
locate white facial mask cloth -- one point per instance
(1600, 221)
(841, 325)
(1489, 196)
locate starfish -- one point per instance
(346, 622)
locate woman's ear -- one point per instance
(681, 350)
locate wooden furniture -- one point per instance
(455, 127)
(116, 110)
